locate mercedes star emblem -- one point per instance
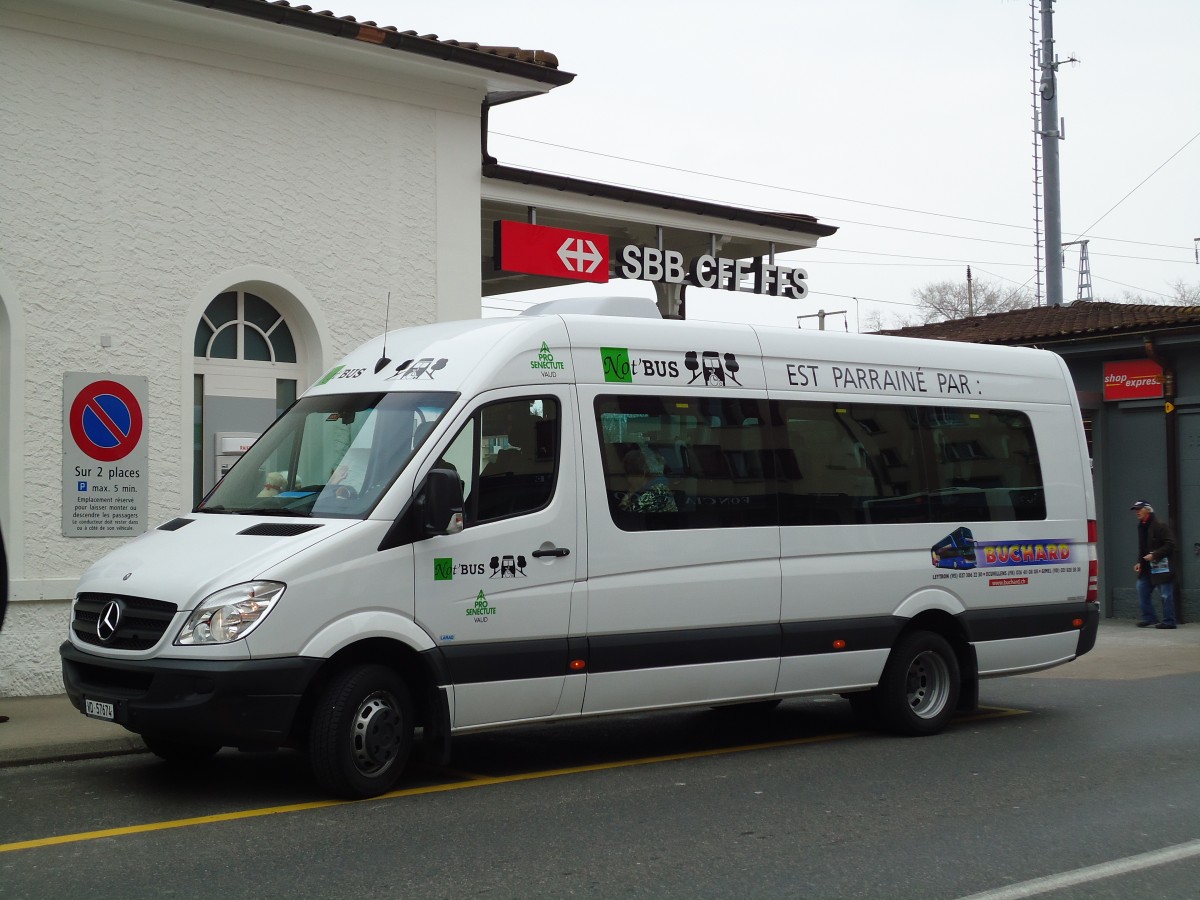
(110, 618)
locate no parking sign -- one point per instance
(105, 455)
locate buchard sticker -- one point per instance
(960, 550)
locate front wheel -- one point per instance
(361, 732)
(919, 688)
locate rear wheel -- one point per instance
(919, 688)
(361, 732)
(179, 751)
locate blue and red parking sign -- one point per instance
(105, 454)
(106, 421)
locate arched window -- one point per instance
(240, 325)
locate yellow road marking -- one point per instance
(474, 781)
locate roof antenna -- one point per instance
(383, 359)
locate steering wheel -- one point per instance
(345, 492)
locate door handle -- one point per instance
(557, 551)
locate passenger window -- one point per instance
(507, 458)
(686, 462)
(896, 464)
(705, 462)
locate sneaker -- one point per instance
(1145, 624)
(1163, 625)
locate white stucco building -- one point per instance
(218, 198)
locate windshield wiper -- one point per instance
(277, 512)
(215, 510)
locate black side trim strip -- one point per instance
(550, 658)
(1009, 622)
(812, 638)
(502, 661)
(659, 649)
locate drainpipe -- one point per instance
(1171, 437)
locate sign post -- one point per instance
(105, 455)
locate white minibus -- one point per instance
(476, 524)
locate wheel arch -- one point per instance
(941, 621)
(420, 669)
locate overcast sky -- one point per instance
(906, 123)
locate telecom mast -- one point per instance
(1085, 270)
(1051, 134)
(1037, 152)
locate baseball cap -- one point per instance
(1142, 504)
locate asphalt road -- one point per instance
(1065, 772)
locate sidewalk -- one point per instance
(49, 729)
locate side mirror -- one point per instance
(442, 503)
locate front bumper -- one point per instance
(237, 703)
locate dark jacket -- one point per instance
(1155, 537)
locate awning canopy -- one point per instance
(629, 216)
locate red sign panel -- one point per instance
(1133, 379)
(557, 252)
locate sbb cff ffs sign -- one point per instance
(1133, 379)
(718, 272)
(584, 256)
(557, 252)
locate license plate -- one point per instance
(98, 710)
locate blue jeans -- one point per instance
(1166, 590)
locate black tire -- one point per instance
(361, 732)
(919, 688)
(174, 750)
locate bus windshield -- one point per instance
(330, 455)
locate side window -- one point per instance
(687, 462)
(845, 459)
(892, 464)
(507, 458)
(985, 459)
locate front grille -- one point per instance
(141, 625)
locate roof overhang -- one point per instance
(630, 216)
(294, 41)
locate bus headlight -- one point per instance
(230, 614)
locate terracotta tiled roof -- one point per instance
(466, 52)
(1042, 324)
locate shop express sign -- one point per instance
(1133, 379)
(585, 256)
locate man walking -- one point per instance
(1154, 567)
